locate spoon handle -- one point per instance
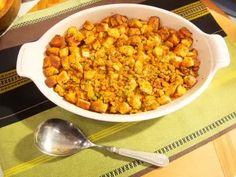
(156, 159)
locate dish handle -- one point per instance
(221, 53)
(25, 61)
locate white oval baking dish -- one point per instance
(213, 54)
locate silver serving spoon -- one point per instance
(57, 137)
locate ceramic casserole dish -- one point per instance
(212, 50)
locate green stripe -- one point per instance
(41, 15)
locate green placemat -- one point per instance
(208, 116)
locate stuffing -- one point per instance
(121, 65)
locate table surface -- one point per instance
(216, 158)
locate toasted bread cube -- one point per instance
(185, 32)
(77, 66)
(101, 27)
(193, 53)
(100, 53)
(135, 101)
(90, 39)
(53, 51)
(150, 102)
(190, 80)
(187, 42)
(106, 20)
(96, 45)
(120, 19)
(171, 90)
(85, 52)
(98, 106)
(158, 51)
(74, 50)
(164, 33)
(90, 91)
(51, 81)
(169, 44)
(181, 50)
(154, 22)
(145, 86)
(144, 29)
(114, 108)
(135, 23)
(132, 84)
(63, 77)
(108, 42)
(174, 39)
(134, 31)
(113, 32)
(79, 36)
(47, 62)
(153, 41)
(100, 62)
(122, 30)
(127, 50)
(124, 108)
(60, 90)
(117, 66)
(187, 62)
(113, 21)
(80, 95)
(71, 31)
(180, 91)
(72, 42)
(113, 75)
(138, 67)
(55, 61)
(49, 71)
(89, 74)
(75, 40)
(65, 63)
(74, 62)
(135, 40)
(57, 41)
(71, 97)
(164, 99)
(83, 104)
(88, 25)
(176, 61)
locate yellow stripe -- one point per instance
(195, 16)
(187, 7)
(7, 74)
(107, 132)
(27, 165)
(42, 159)
(192, 11)
(10, 80)
(14, 85)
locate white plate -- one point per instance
(213, 54)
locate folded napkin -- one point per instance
(23, 107)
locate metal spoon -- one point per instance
(57, 137)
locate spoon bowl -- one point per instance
(57, 137)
